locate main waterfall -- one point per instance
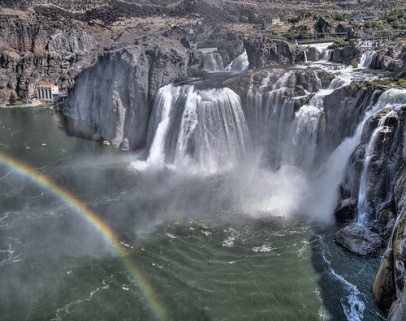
(194, 127)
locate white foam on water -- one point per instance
(61, 313)
(171, 236)
(352, 305)
(263, 248)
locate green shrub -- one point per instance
(12, 99)
(338, 43)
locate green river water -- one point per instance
(198, 254)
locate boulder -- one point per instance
(345, 211)
(359, 240)
(313, 54)
(347, 54)
(264, 51)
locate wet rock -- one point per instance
(383, 288)
(344, 109)
(125, 145)
(346, 210)
(397, 311)
(359, 240)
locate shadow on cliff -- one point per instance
(77, 128)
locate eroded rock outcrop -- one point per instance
(263, 51)
(375, 183)
(344, 109)
(114, 96)
(348, 55)
(31, 52)
(359, 240)
(391, 59)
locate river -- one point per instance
(86, 235)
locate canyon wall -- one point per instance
(114, 96)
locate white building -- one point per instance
(47, 92)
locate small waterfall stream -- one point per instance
(366, 58)
(213, 62)
(375, 150)
(239, 64)
(364, 206)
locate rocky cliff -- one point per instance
(391, 59)
(53, 40)
(263, 51)
(114, 95)
(31, 52)
(373, 195)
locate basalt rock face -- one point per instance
(344, 109)
(391, 59)
(359, 240)
(53, 40)
(347, 55)
(263, 51)
(375, 162)
(397, 311)
(115, 94)
(397, 257)
(31, 52)
(375, 193)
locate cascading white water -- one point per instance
(363, 202)
(239, 64)
(389, 99)
(326, 55)
(213, 62)
(190, 128)
(161, 122)
(304, 136)
(366, 58)
(269, 115)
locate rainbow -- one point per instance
(91, 218)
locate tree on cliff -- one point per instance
(12, 99)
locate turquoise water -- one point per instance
(204, 256)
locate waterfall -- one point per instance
(364, 206)
(304, 135)
(305, 55)
(212, 62)
(326, 55)
(269, 115)
(342, 79)
(239, 64)
(376, 149)
(193, 128)
(366, 58)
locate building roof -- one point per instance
(46, 85)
